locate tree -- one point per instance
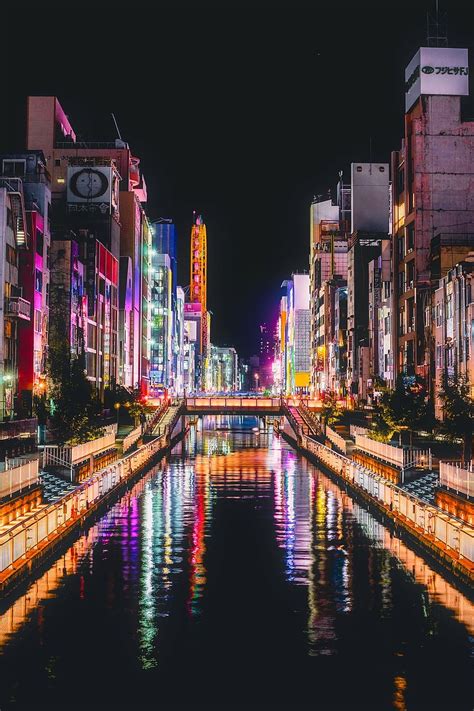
(73, 403)
(405, 408)
(458, 411)
(329, 411)
(379, 429)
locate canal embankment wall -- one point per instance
(30, 540)
(447, 540)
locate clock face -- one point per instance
(88, 184)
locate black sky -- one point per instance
(242, 113)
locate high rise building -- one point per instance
(162, 322)
(433, 204)
(98, 193)
(198, 298)
(224, 363)
(296, 346)
(33, 266)
(369, 226)
(13, 239)
(328, 262)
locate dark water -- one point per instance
(236, 575)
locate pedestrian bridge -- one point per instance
(233, 405)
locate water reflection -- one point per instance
(236, 540)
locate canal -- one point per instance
(237, 575)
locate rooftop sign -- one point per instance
(436, 71)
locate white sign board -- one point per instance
(436, 71)
(87, 184)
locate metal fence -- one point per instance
(67, 456)
(338, 440)
(426, 518)
(402, 457)
(17, 474)
(30, 533)
(357, 429)
(457, 476)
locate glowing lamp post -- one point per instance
(117, 408)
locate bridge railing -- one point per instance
(233, 403)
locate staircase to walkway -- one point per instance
(300, 421)
(167, 421)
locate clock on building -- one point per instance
(88, 184)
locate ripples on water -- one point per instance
(237, 573)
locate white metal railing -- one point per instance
(67, 456)
(232, 402)
(18, 539)
(16, 475)
(16, 306)
(403, 457)
(456, 534)
(457, 476)
(337, 439)
(357, 429)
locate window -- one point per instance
(14, 168)
(410, 236)
(47, 294)
(449, 306)
(10, 255)
(57, 163)
(39, 242)
(38, 280)
(37, 321)
(400, 182)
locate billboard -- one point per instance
(91, 188)
(436, 71)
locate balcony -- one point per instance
(16, 307)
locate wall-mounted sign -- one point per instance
(92, 189)
(436, 71)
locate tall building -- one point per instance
(369, 226)
(433, 200)
(453, 327)
(328, 262)
(296, 335)
(225, 374)
(178, 343)
(33, 267)
(162, 322)
(98, 193)
(198, 298)
(13, 239)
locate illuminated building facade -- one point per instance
(433, 210)
(295, 331)
(328, 263)
(33, 267)
(198, 300)
(98, 191)
(224, 365)
(453, 328)
(162, 322)
(13, 239)
(178, 343)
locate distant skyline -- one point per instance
(242, 115)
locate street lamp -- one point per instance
(117, 407)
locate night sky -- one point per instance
(240, 112)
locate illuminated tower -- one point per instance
(198, 287)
